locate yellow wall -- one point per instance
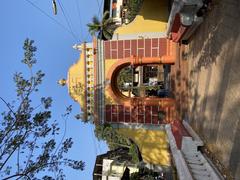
(76, 81)
(152, 17)
(153, 145)
(108, 65)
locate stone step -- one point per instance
(193, 161)
(188, 145)
(195, 136)
(191, 155)
(197, 166)
(202, 177)
(200, 172)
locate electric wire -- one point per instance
(66, 18)
(54, 20)
(64, 133)
(98, 3)
(99, 147)
(88, 35)
(80, 18)
(99, 9)
(94, 142)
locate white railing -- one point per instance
(194, 135)
(181, 165)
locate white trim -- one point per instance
(123, 49)
(181, 165)
(117, 48)
(138, 126)
(111, 112)
(151, 115)
(151, 47)
(123, 113)
(144, 47)
(143, 35)
(130, 113)
(144, 114)
(137, 48)
(196, 138)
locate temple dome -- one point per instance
(76, 82)
(62, 82)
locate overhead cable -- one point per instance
(54, 20)
(94, 141)
(99, 9)
(66, 18)
(80, 19)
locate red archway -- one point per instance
(115, 93)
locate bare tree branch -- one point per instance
(17, 175)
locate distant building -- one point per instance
(114, 165)
(117, 10)
(118, 165)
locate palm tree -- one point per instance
(105, 28)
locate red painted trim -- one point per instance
(96, 120)
(178, 131)
(178, 36)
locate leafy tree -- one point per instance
(115, 140)
(107, 133)
(133, 7)
(125, 76)
(104, 28)
(28, 143)
(146, 174)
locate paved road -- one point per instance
(214, 83)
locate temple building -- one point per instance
(126, 82)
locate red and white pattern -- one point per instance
(136, 114)
(119, 49)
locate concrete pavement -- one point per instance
(214, 83)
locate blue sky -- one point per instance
(55, 55)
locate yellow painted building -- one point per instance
(153, 144)
(88, 81)
(152, 19)
(80, 79)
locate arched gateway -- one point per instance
(139, 53)
(93, 81)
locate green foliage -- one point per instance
(145, 174)
(104, 28)
(107, 133)
(125, 76)
(133, 151)
(28, 143)
(29, 51)
(115, 140)
(161, 115)
(133, 8)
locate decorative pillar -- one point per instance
(152, 101)
(140, 61)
